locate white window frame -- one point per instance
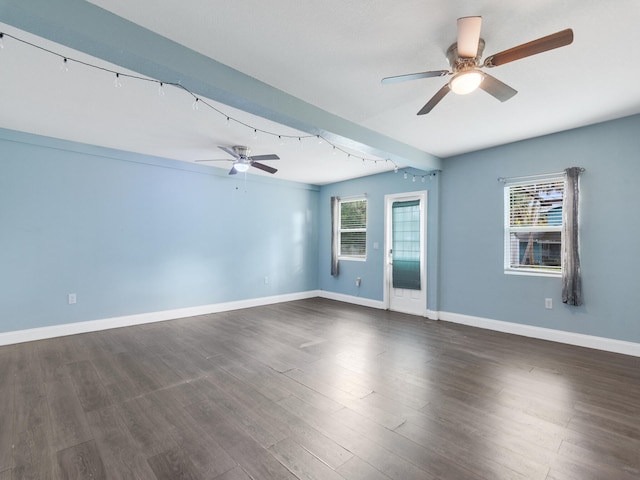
(508, 229)
(340, 230)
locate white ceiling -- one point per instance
(332, 54)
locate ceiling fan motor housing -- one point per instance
(460, 64)
(241, 150)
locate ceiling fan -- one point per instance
(464, 58)
(242, 161)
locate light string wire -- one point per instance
(197, 100)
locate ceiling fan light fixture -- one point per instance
(466, 82)
(241, 166)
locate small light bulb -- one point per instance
(161, 89)
(319, 140)
(280, 140)
(395, 169)
(414, 179)
(334, 150)
(255, 133)
(65, 65)
(117, 82)
(195, 105)
(1, 40)
(406, 175)
(227, 122)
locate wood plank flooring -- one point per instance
(315, 389)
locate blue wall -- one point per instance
(372, 271)
(472, 278)
(465, 226)
(134, 234)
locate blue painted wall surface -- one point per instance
(372, 271)
(472, 278)
(133, 234)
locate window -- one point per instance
(533, 226)
(352, 229)
(406, 244)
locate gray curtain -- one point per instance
(335, 215)
(571, 278)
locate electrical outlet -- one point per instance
(71, 298)
(358, 281)
(548, 303)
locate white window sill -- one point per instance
(533, 273)
(353, 259)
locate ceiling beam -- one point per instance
(85, 27)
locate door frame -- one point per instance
(389, 199)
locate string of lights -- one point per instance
(423, 177)
(198, 101)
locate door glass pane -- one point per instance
(406, 245)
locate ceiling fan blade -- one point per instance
(468, 36)
(544, 44)
(415, 76)
(440, 94)
(233, 170)
(271, 156)
(264, 167)
(495, 87)
(230, 152)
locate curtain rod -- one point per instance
(531, 177)
(349, 197)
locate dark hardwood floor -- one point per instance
(315, 389)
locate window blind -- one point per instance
(538, 204)
(353, 228)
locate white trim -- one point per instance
(532, 273)
(578, 339)
(20, 336)
(560, 336)
(353, 258)
(364, 302)
(433, 315)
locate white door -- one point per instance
(405, 252)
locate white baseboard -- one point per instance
(367, 302)
(20, 336)
(560, 336)
(578, 339)
(364, 302)
(433, 315)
